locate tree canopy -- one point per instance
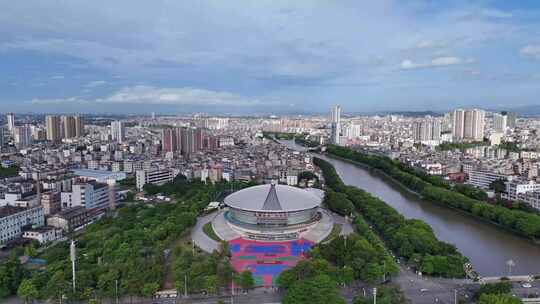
(435, 189)
(412, 239)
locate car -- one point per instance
(526, 285)
(424, 290)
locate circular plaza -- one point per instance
(268, 228)
(273, 213)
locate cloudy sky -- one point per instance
(298, 56)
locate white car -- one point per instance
(526, 285)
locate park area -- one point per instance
(266, 260)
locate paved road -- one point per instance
(522, 292)
(200, 238)
(346, 227)
(422, 290)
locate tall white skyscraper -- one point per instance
(79, 126)
(500, 122)
(54, 128)
(511, 118)
(23, 136)
(336, 124)
(427, 131)
(68, 126)
(118, 132)
(11, 122)
(468, 125)
(2, 137)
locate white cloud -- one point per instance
(141, 94)
(430, 44)
(69, 100)
(176, 96)
(408, 64)
(494, 13)
(96, 83)
(531, 51)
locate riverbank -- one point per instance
(403, 187)
(520, 222)
(413, 240)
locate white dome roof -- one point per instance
(273, 198)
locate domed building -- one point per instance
(273, 206)
(273, 212)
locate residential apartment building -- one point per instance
(155, 177)
(10, 122)
(13, 219)
(335, 125)
(118, 132)
(70, 219)
(468, 125)
(482, 179)
(51, 202)
(53, 128)
(91, 195)
(23, 136)
(427, 131)
(45, 234)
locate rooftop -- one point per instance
(273, 198)
(100, 174)
(6, 211)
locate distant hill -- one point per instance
(414, 113)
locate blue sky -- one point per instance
(267, 56)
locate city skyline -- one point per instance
(268, 57)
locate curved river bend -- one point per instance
(488, 247)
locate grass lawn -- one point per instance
(333, 234)
(209, 231)
(9, 172)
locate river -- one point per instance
(487, 246)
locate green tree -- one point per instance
(320, 289)
(27, 291)
(211, 284)
(151, 189)
(494, 288)
(385, 295)
(246, 280)
(11, 275)
(150, 289)
(498, 299)
(498, 186)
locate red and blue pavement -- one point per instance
(266, 260)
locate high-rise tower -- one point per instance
(336, 124)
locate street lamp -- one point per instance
(375, 295)
(510, 263)
(232, 288)
(116, 289)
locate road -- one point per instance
(200, 238)
(423, 290)
(522, 292)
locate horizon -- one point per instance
(269, 57)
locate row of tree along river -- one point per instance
(488, 247)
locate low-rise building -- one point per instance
(50, 201)
(45, 234)
(516, 188)
(13, 219)
(154, 177)
(482, 179)
(91, 195)
(70, 219)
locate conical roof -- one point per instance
(272, 201)
(273, 198)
